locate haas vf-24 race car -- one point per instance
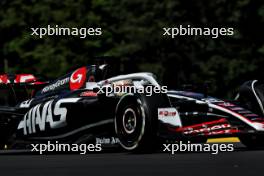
(78, 108)
(75, 109)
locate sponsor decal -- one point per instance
(107, 140)
(88, 94)
(167, 113)
(76, 81)
(169, 116)
(42, 114)
(55, 85)
(78, 78)
(207, 129)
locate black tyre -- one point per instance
(252, 141)
(136, 121)
(251, 96)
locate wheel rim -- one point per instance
(130, 137)
(129, 121)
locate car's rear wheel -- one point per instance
(252, 141)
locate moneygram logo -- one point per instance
(55, 85)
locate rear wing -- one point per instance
(15, 88)
(23, 79)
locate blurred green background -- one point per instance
(132, 31)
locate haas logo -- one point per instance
(78, 78)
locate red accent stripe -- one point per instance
(220, 121)
(216, 122)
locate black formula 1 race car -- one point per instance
(87, 106)
(79, 108)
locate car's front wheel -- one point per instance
(130, 124)
(136, 121)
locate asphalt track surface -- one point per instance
(240, 162)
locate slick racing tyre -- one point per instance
(252, 141)
(251, 96)
(136, 122)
